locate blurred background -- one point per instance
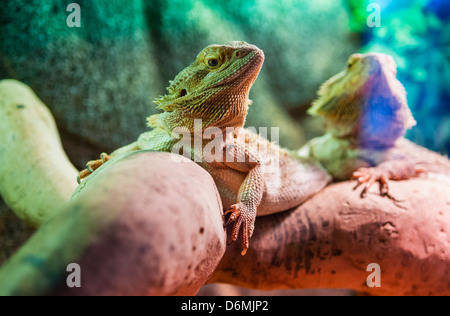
(99, 80)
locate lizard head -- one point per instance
(365, 102)
(214, 88)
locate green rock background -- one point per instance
(100, 80)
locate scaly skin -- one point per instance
(210, 97)
(366, 115)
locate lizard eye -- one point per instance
(213, 62)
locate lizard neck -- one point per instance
(226, 107)
(233, 116)
(374, 116)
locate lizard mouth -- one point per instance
(246, 68)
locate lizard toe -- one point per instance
(368, 176)
(234, 212)
(244, 223)
(83, 174)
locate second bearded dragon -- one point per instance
(366, 115)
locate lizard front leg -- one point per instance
(388, 170)
(93, 165)
(243, 213)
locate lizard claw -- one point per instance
(105, 157)
(391, 170)
(369, 176)
(93, 165)
(242, 218)
(234, 211)
(83, 174)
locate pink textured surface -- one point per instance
(329, 241)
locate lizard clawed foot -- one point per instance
(369, 176)
(92, 165)
(391, 170)
(242, 217)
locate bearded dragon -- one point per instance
(366, 115)
(207, 105)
